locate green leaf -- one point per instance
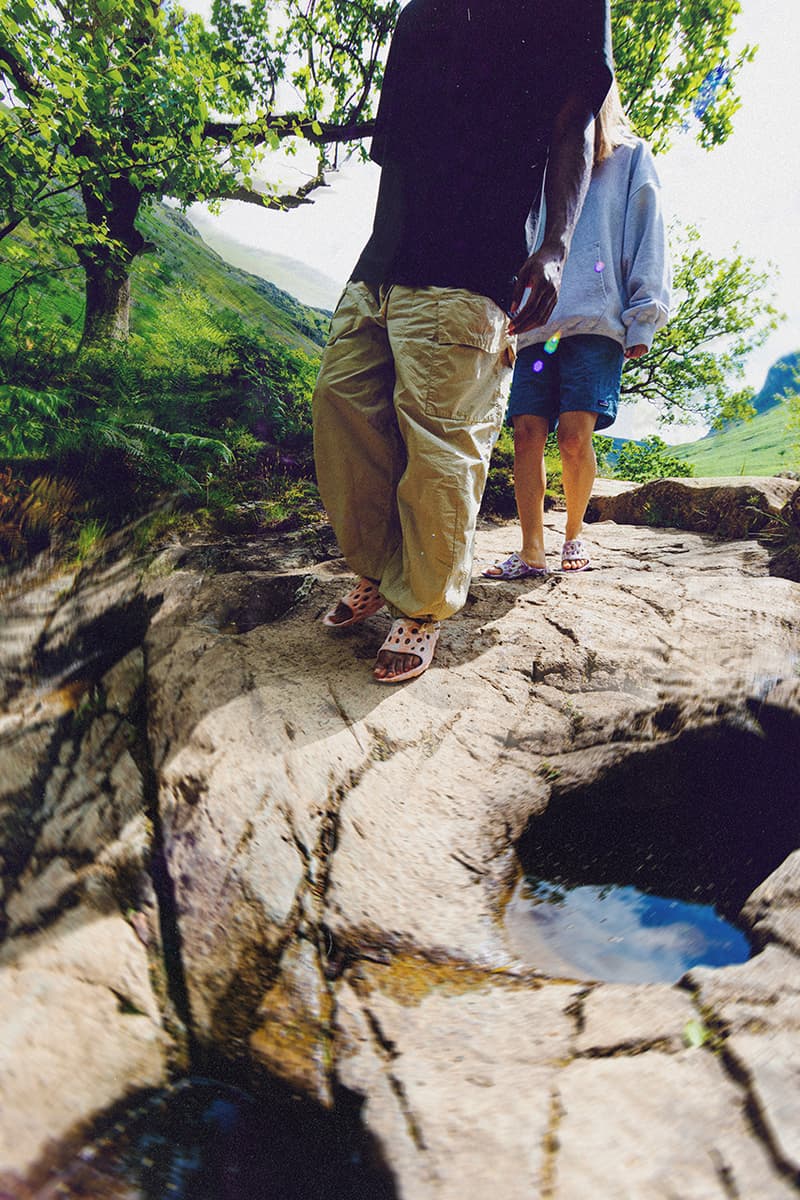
(695, 1034)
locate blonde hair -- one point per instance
(611, 126)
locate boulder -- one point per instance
(738, 507)
(234, 849)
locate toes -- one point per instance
(388, 665)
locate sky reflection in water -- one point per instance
(625, 935)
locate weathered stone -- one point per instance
(614, 1138)
(292, 1040)
(727, 508)
(42, 894)
(470, 1068)
(334, 856)
(98, 623)
(617, 1017)
(93, 948)
(760, 995)
(67, 1052)
(26, 614)
(773, 910)
(771, 1066)
(362, 1067)
(123, 681)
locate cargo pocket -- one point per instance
(357, 305)
(471, 351)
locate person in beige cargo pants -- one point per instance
(409, 398)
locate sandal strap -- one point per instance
(407, 636)
(363, 600)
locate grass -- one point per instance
(182, 257)
(179, 258)
(763, 446)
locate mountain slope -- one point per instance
(762, 446)
(179, 260)
(184, 259)
(782, 374)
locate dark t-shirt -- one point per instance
(469, 97)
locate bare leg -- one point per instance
(530, 480)
(579, 470)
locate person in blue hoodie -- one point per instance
(615, 294)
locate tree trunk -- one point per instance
(108, 302)
(108, 282)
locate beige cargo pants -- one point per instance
(407, 407)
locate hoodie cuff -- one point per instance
(640, 333)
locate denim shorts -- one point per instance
(581, 375)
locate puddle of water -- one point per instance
(617, 933)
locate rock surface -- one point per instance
(224, 843)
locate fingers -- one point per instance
(535, 293)
(536, 311)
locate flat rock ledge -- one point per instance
(225, 847)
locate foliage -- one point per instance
(43, 317)
(109, 89)
(127, 101)
(675, 68)
(603, 447)
(649, 459)
(32, 513)
(498, 496)
(292, 503)
(204, 405)
(696, 1033)
(722, 311)
(89, 538)
(791, 397)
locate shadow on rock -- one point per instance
(203, 1139)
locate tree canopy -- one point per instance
(676, 69)
(125, 102)
(722, 310)
(128, 101)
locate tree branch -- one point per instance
(24, 81)
(282, 203)
(286, 126)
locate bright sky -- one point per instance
(746, 192)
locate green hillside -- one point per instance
(763, 446)
(181, 259)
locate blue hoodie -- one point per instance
(617, 278)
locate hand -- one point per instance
(635, 351)
(541, 273)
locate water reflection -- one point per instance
(617, 933)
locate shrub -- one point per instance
(649, 459)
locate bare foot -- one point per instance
(500, 570)
(407, 650)
(388, 664)
(341, 613)
(574, 555)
